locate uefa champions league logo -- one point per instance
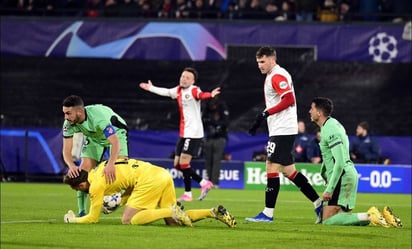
(383, 47)
(195, 38)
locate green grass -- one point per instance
(32, 217)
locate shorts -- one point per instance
(346, 190)
(279, 149)
(153, 190)
(94, 150)
(191, 146)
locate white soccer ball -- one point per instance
(383, 47)
(111, 202)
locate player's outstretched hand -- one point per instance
(106, 210)
(146, 85)
(70, 217)
(215, 92)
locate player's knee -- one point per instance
(126, 220)
(291, 174)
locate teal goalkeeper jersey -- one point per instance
(98, 119)
(334, 144)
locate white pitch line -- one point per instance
(50, 220)
(28, 221)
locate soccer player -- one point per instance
(340, 174)
(282, 123)
(189, 97)
(103, 130)
(149, 195)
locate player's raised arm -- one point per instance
(215, 92)
(148, 86)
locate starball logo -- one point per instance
(195, 38)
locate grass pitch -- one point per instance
(32, 217)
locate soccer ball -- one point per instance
(111, 202)
(383, 47)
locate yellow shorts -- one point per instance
(153, 191)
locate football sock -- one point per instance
(303, 184)
(86, 201)
(268, 212)
(317, 203)
(199, 214)
(81, 201)
(203, 182)
(345, 219)
(150, 215)
(187, 179)
(272, 191)
(363, 219)
(195, 176)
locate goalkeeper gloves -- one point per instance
(258, 120)
(107, 210)
(70, 217)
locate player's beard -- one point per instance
(76, 120)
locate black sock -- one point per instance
(195, 176)
(187, 179)
(272, 191)
(303, 184)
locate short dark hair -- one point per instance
(364, 125)
(324, 104)
(265, 50)
(72, 101)
(73, 182)
(191, 70)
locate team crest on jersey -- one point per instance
(187, 96)
(283, 85)
(109, 130)
(65, 129)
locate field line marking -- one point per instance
(50, 220)
(27, 221)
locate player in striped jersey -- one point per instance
(282, 122)
(188, 97)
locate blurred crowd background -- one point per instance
(277, 10)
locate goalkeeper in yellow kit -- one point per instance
(148, 195)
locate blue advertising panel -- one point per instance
(384, 179)
(31, 151)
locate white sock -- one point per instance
(317, 203)
(202, 182)
(268, 212)
(363, 216)
(188, 193)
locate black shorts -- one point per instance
(279, 149)
(191, 146)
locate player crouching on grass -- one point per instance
(149, 195)
(340, 174)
